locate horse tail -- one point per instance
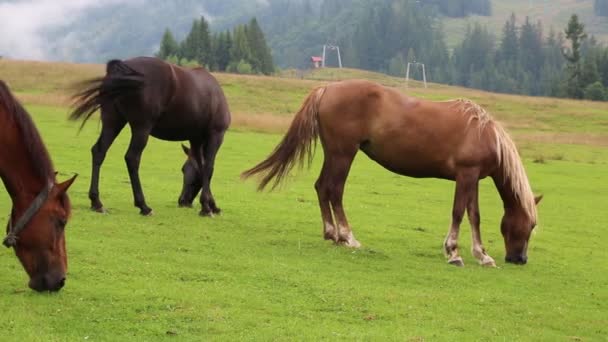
(297, 145)
(120, 80)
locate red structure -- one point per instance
(316, 61)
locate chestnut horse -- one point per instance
(455, 140)
(41, 207)
(163, 100)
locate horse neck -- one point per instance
(19, 175)
(505, 189)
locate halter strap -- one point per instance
(11, 236)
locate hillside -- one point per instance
(553, 14)
(544, 127)
(96, 32)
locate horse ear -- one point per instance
(537, 199)
(186, 150)
(63, 187)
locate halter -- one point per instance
(11, 236)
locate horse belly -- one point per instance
(410, 162)
(176, 130)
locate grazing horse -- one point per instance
(41, 207)
(455, 140)
(159, 99)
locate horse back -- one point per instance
(407, 135)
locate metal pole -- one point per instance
(407, 75)
(323, 61)
(424, 75)
(339, 57)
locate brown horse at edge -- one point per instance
(41, 206)
(455, 140)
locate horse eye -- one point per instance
(61, 223)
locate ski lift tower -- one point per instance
(331, 47)
(407, 72)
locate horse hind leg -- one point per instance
(477, 249)
(322, 186)
(339, 167)
(112, 125)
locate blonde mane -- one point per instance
(506, 153)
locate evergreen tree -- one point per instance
(168, 45)
(575, 32)
(509, 44)
(261, 59)
(223, 50)
(239, 51)
(190, 47)
(203, 47)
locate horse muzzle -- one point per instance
(51, 282)
(517, 259)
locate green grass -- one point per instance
(261, 271)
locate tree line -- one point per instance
(244, 50)
(527, 62)
(524, 59)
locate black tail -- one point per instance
(120, 80)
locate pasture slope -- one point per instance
(261, 271)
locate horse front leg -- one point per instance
(139, 139)
(210, 149)
(477, 249)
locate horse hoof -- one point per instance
(488, 262)
(352, 243)
(205, 213)
(184, 205)
(216, 211)
(100, 210)
(148, 212)
(457, 262)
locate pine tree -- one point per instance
(575, 32)
(168, 45)
(261, 59)
(239, 51)
(509, 44)
(203, 48)
(190, 47)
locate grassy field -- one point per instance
(552, 13)
(261, 271)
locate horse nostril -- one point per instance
(61, 283)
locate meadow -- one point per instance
(261, 270)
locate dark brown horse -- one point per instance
(163, 100)
(41, 207)
(455, 140)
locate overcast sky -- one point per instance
(23, 23)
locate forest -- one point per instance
(524, 58)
